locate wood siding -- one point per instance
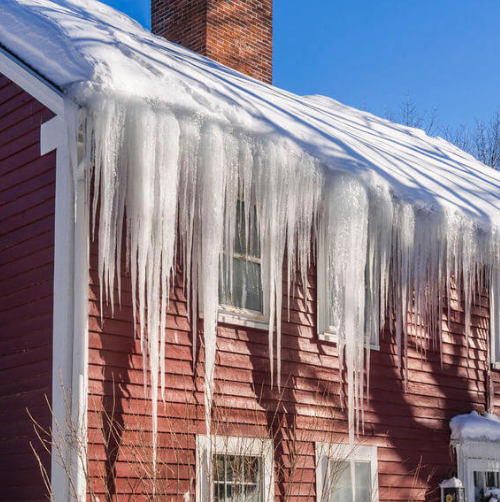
(27, 192)
(409, 426)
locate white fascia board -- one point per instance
(35, 85)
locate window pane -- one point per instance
(252, 493)
(251, 469)
(340, 482)
(247, 290)
(492, 479)
(218, 467)
(478, 485)
(237, 478)
(240, 240)
(219, 493)
(363, 480)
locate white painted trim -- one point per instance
(42, 90)
(242, 317)
(80, 308)
(62, 340)
(53, 135)
(70, 310)
(233, 445)
(325, 452)
(329, 336)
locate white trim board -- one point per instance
(42, 90)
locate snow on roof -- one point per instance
(170, 133)
(83, 43)
(475, 427)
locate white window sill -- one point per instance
(328, 336)
(242, 317)
(495, 366)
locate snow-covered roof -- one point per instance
(173, 140)
(85, 44)
(474, 427)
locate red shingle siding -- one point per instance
(237, 33)
(409, 427)
(27, 194)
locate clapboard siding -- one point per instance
(27, 194)
(409, 425)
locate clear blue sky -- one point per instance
(371, 53)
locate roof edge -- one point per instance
(26, 77)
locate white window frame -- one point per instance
(473, 456)
(328, 333)
(228, 314)
(494, 327)
(326, 452)
(233, 445)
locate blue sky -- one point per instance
(370, 54)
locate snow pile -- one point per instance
(174, 140)
(474, 427)
(451, 483)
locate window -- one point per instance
(237, 477)
(495, 321)
(241, 296)
(328, 329)
(242, 469)
(346, 474)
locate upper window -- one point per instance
(242, 469)
(345, 474)
(241, 297)
(494, 332)
(328, 325)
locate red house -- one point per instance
(212, 289)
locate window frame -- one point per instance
(229, 314)
(494, 333)
(471, 457)
(233, 445)
(326, 452)
(327, 333)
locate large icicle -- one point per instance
(176, 180)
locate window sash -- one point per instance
(234, 446)
(228, 487)
(326, 330)
(338, 464)
(240, 282)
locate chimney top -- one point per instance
(237, 33)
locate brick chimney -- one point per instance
(237, 33)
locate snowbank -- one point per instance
(475, 427)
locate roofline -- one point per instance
(22, 74)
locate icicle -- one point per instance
(177, 181)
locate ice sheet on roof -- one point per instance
(87, 42)
(473, 426)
